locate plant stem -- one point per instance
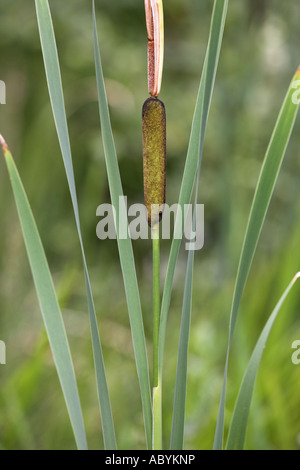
(156, 301)
(157, 411)
(157, 419)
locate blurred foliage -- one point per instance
(260, 55)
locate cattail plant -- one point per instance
(154, 170)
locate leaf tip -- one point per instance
(297, 74)
(297, 276)
(3, 143)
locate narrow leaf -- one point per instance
(124, 243)
(238, 427)
(48, 302)
(263, 193)
(182, 361)
(194, 154)
(53, 75)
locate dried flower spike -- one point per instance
(155, 32)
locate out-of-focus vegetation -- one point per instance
(259, 57)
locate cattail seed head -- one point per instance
(154, 158)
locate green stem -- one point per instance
(157, 419)
(157, 409)
(156, 301)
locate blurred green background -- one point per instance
(259, 57)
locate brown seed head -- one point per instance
(154, 158)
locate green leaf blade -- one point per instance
(194, 154)
(124, 245)
(238, 427)
(262, 197)
(48, 303)
(54, 81)
(177, 433)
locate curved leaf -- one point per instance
(238, 427)
(194, 154)
(262, 197)
(124, 244)
(53, 75)
(48, 302)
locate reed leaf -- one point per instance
(48, 302)
(54, 81)
(238, 427)
(124, 244)
(194, 154)
(182, 359)
(262, 197)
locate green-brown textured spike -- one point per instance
(154, 158)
